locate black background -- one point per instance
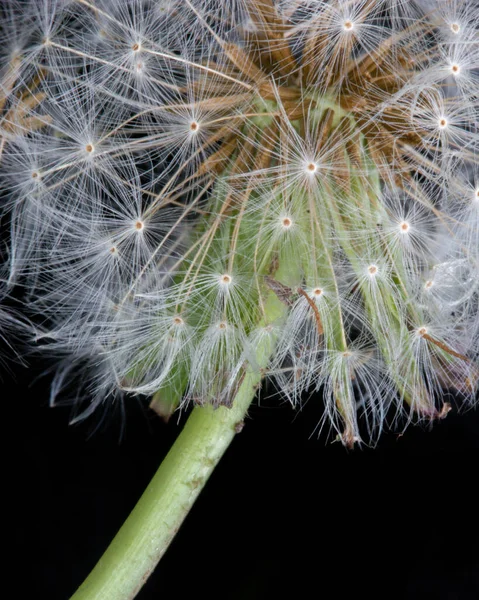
(284, 514)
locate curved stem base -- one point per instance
(146, 534)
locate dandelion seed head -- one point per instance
(217, 159)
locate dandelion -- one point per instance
(203, 195)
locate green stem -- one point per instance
(146, 534)
(153, 523)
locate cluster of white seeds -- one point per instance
(194, 189)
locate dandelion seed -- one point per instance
(226, 280)
(455, 69)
